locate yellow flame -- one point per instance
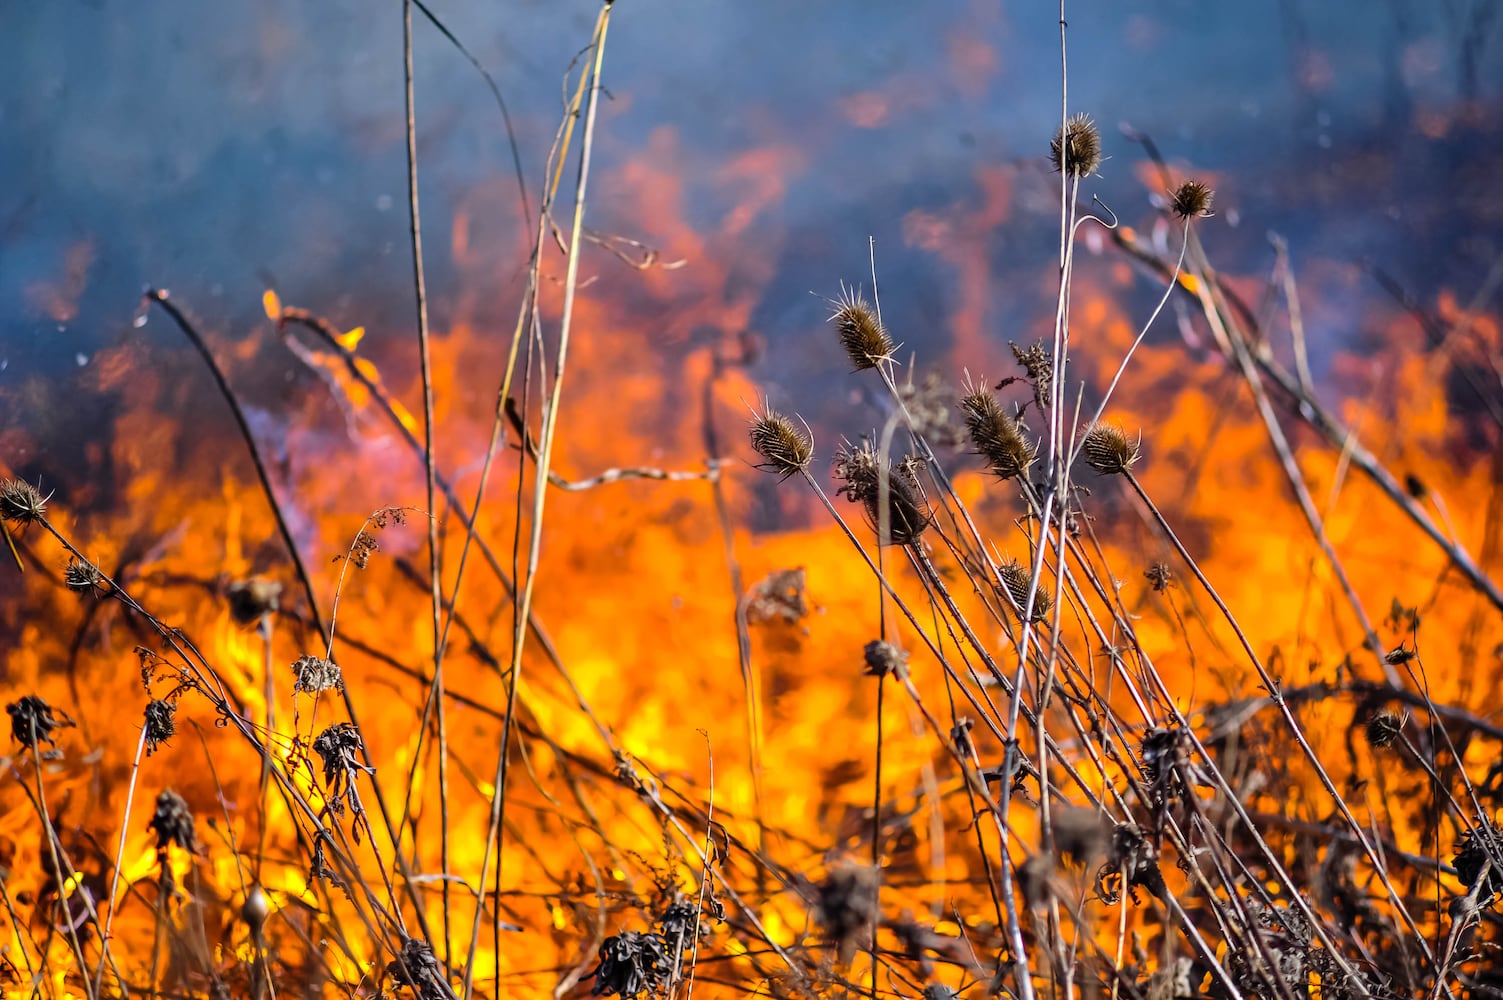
(272, 304)
(350, 338)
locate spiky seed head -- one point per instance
(1192, 200)
(21, 502)
(1109, 450)
(82, 576)
(1399, 655)
(1384, 729)
(785, 447)
(866, 342)
(1017, 579)
(996, 437)
(1076, 148)
(862, 474)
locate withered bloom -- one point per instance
(82, 576)
(161, 723)
(866, 342)
(883, 658)
(784, 447)
(1109, 450)
(1384, 729)
(33, 720)
(1159, 576)
(313, 674)
(416, 966)
(253, 599)
(1399, 656)
(862, 475)
(1132, 862)
(997, 437)
(21, 502)
(1076, 147)
(338, 747)
(1192, 200)
(846, 908)
(632, 963)
(172, 822)
(1017, 580)
(1038, 368)
(1479, 847)
(1166, 754)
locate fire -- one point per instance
(656, 759)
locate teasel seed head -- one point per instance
(786, 449)
(21, 502)
(997, 437)
(1109, 450)
(1016, 580)
(866, 342)
(861, 473)
(161, 723)
(1192, 200)
(1076, 148)
(1385, 728)
(83, 577)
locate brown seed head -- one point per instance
(161, 723)
(33, 720)
(1016, 581)
(82, 577)
(866, 342)
(1384, 729)
(862, 475)
(1109, 450)
(883, 658)
(1076, 148)
(21, 502)
(997, 437)
(785, 448)
(1192, 200)
(253, 599)
(172, 822)
(314, 673)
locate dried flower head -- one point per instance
(83, 577)
(33, 720)
(161, 723)
(313, 674)
(1132, 862)
(1165, 752)
(1109, 450)
(1399, 655)
(785, 448)
(996, 437)
(253, 599)
(21, 502)
(1480, 848)
(416, 966)
(338, 747)
(866, 342)
(1159, 576)
(883, 658)
(1076, 147)
(172, 822)
(1192, 200)
(778, 597)
(1017, 580)
(1384, 728)
(846, 907)
(864, 478)
(632, 963)
(1037, 363)
(255, 909)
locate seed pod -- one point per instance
(1076, 148)
(785, 449)
(1108, 450)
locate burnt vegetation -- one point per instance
(1098, 777)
